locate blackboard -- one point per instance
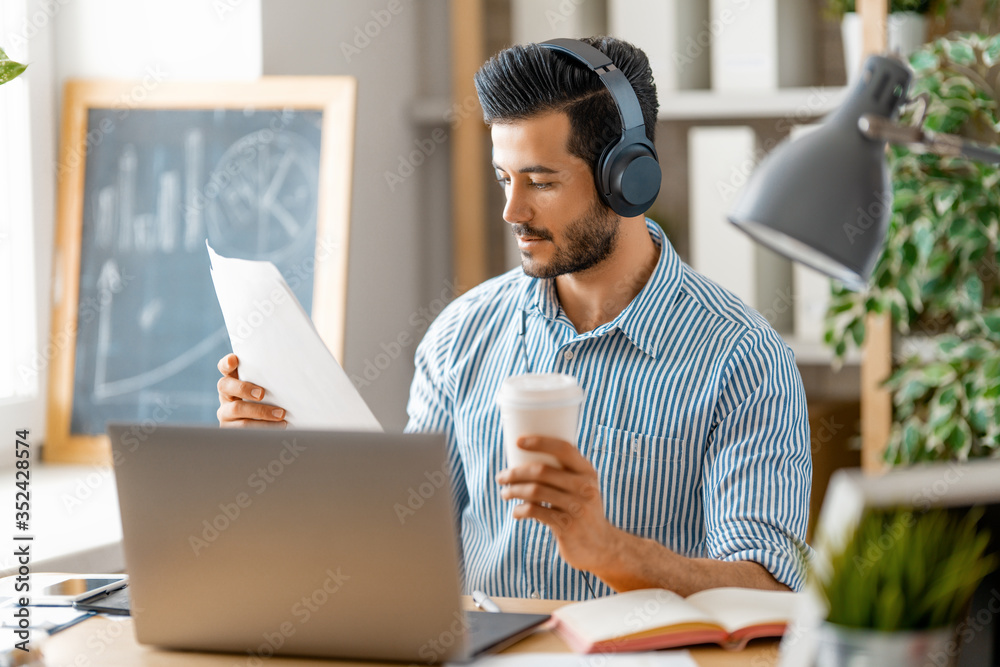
(145, 190)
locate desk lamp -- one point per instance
(825, 199)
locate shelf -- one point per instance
(796, 104)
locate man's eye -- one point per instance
(503, 181)
(540, 186)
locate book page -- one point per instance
(279, 349)
(631, 613)
(736, 608)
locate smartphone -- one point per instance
(65, 589)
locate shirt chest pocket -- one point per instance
(643, 478)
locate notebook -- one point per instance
(654, 618)
(307, 543)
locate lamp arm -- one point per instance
(914, 136)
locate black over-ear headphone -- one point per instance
(627, 174)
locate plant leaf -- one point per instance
(9, 69)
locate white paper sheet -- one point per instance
(279, 349)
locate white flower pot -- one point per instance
(907, 31)
(850, 647)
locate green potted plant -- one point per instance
(938, 277)
(8, 68)
(899, 587)
(906, 29)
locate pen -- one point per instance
(484, 602)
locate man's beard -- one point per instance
(587, 242)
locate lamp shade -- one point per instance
(825, 199)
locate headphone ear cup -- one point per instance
(629, 178)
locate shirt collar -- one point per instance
(644, 318)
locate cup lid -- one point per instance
(541, 390)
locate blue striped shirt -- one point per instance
(695, 419)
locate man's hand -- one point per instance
(239, 402)
(574, 511)
(572, 507)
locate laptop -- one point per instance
(305, 543)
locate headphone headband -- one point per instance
(613, 78)
(627, 173)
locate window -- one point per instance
(18, 374)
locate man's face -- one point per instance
(552, 204)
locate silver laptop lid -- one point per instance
(290, 542)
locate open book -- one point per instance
(657, 618)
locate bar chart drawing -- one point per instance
(149, 328)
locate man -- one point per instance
(692, 468)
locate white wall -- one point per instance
(179, 39)
(400, 236)
(400, 246)
(186, 39)
(26, 36)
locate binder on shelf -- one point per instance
(721, 159)
(675, 34)
(761, 45)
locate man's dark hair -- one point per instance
(527, 80)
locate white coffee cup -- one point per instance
(546, 404)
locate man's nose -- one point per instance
(517, 209)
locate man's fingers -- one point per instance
(254, 423)
(541, 473)
(540, 493)
(235, 411)
(567, 454)
(237, 389)
(556, 520)
(229, 365)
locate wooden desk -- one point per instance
(111, 643)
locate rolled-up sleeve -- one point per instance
(758, 468)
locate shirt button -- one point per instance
(568, 355)
(636, 446)
(535, 595)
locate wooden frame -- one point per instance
(876, 361)
(469, 154)
(334, 97)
